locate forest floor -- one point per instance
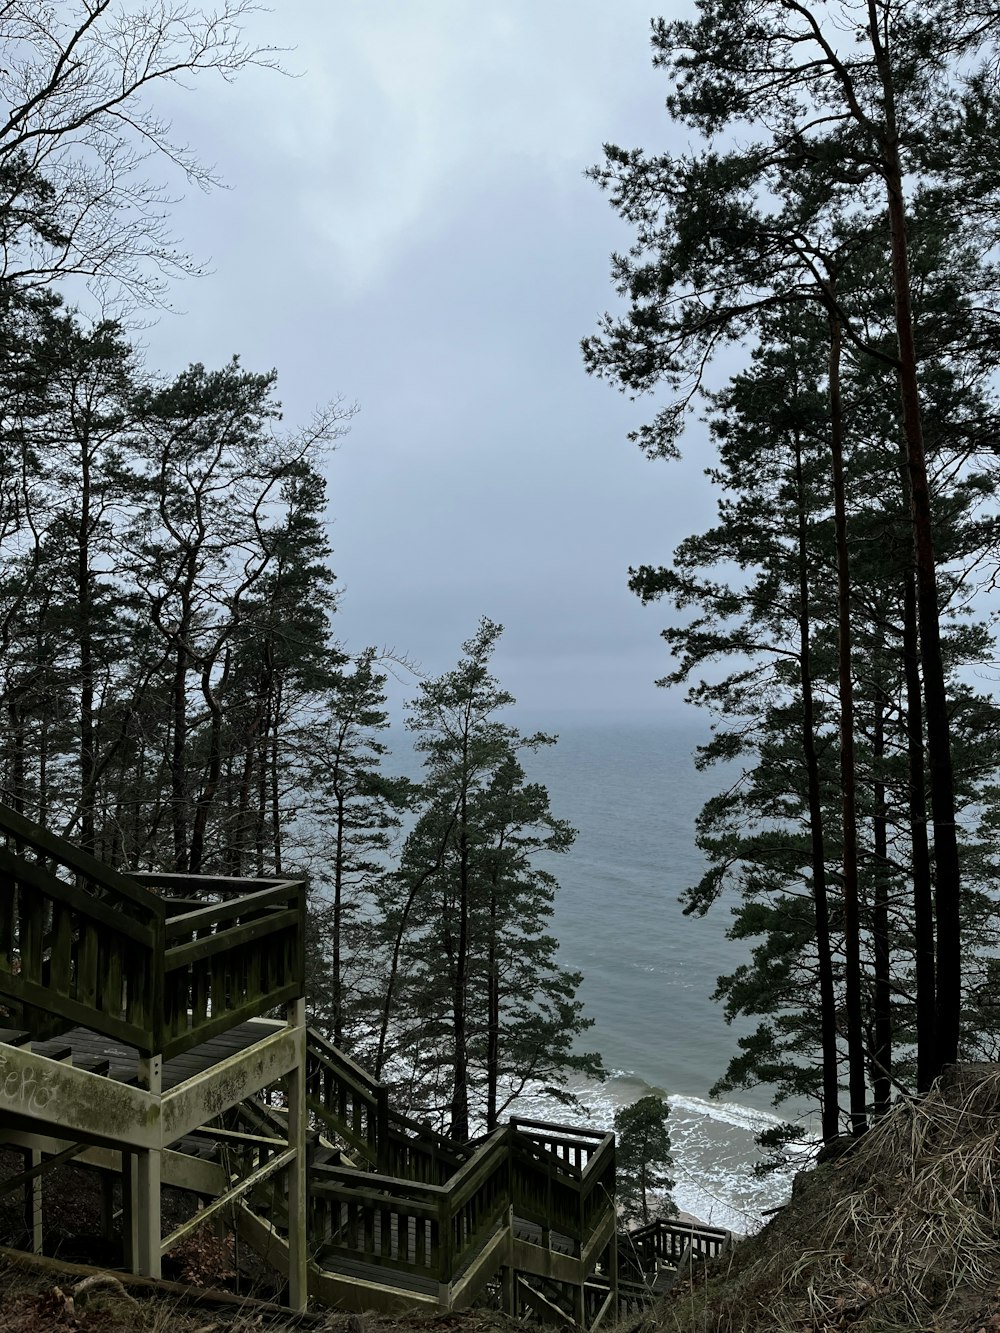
(54, 1301)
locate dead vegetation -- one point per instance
(900, 1234)
(46, 1296)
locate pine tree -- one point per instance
(473, 985)
(356, 809)
(776, 622)
(642, 1160)
(847, 123)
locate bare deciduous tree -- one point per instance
(78, 133)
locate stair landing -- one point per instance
(87, 1049)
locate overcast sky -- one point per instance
(407, 224)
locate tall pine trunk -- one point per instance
(827, 994)
(923, 892)
(210, 787)
(88, 757)
(856, 1081)
(948, 980)
(178, 762)
(338, 919)
(460, 1091)
(881, 1059)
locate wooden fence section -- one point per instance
(563, 1179)
(424, 1230)
(667, 1241)
(84, 945)
(355, 1107)
(434, 1233)
(346, 1100)
(229, 960)
(78, 942)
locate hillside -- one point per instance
(901, 1233)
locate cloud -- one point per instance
(399, 106)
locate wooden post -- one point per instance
(383, 1162)
(579, 1304)
(146, 1225)
(508, 1270)
(33, 1201)
(613, 1273)
(444, 1253)
(130, 1210)
(546, 1241)
(298, 1222)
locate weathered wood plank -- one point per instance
(87, 1104)
(227, 1083)
(87, 955)
(61, 951)
(227, 1018)
(39, 996)
(215, 913)
(44, 882)
(229, 940)
(8, 911)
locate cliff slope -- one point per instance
(900, 1233)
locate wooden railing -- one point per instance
(567, 1142)
(78, 941)
(563, 1179)
(346, 1100)
(478, 1197)
(666, 1240)
(230, 959)
(434, 1231)
(429, 1231)
(355, 1108)
(362, 1216)
(83, 945)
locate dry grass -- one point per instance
(902, 1234)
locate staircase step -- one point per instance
(376, 1274)
(102, 1067)
(54, 1050)
(14, 1037)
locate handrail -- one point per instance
(50, 846)
(214, 913)
(82, 944)
(79, 942)
(436, 1230)
(355, 1106)
(666, 1239)
(230, 961)
(202, 884)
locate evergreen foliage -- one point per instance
(172, 692)
(827, 611)
(643, 1159)
(482, 1007)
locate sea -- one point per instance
(629, 786)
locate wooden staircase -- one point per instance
(134, 1041)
